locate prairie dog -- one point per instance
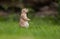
(24, 19)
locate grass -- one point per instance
(39, 29)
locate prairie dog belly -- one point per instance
(24, 23)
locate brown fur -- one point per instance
(23, 18)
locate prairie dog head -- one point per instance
(24, 10)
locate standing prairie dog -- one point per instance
(24, 19)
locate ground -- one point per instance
(39, 29)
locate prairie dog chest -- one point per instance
(23, 17)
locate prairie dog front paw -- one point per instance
(28, 19)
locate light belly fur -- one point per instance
(24, 23)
